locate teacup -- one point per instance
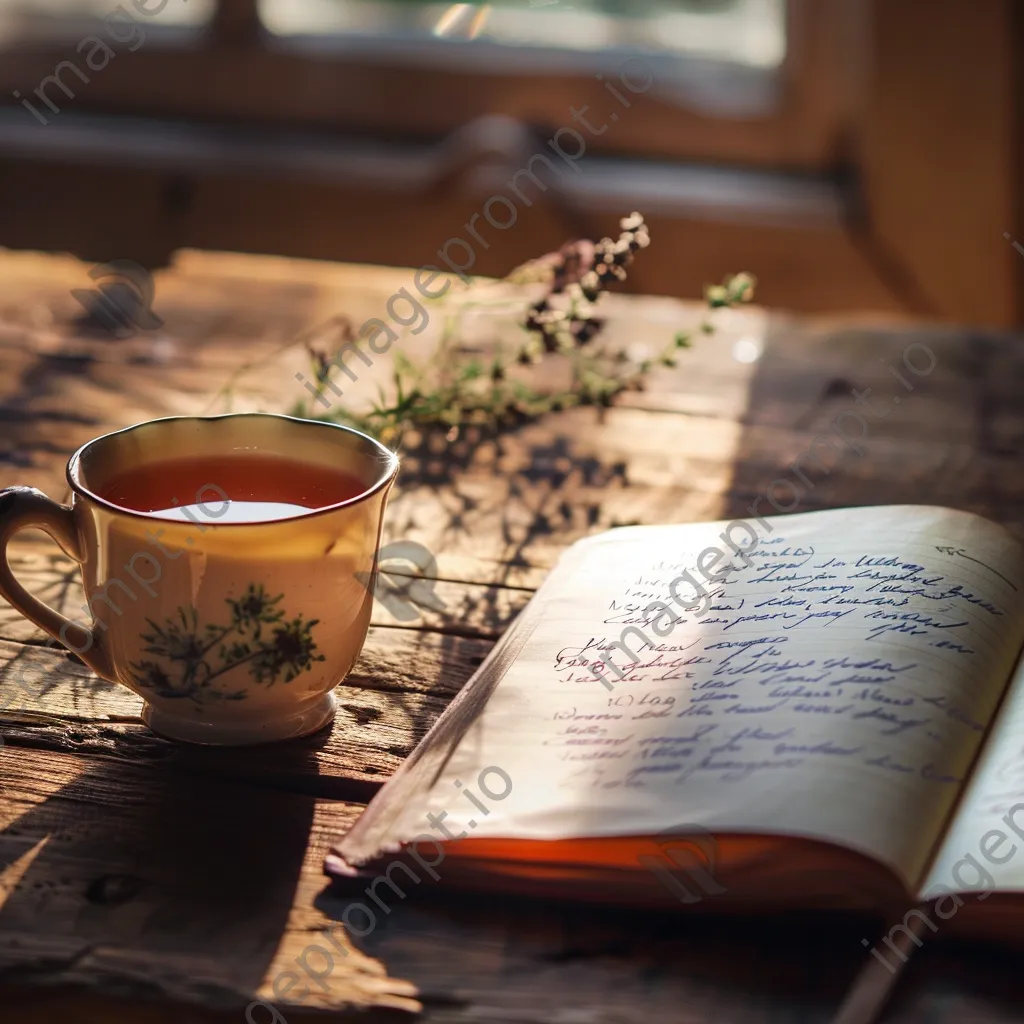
(232, 632)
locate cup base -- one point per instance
(272, 729)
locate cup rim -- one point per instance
(73, 470)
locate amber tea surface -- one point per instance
(240, 488)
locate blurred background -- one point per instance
(856, 155)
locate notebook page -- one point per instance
(837, 685)
(983, 850)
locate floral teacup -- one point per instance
(231, 632)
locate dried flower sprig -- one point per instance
(580, 271)
(453, 391)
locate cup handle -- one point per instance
(22, 508)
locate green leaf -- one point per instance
(471, 370)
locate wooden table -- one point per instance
(145, 881)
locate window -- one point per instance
(747, 81)
(745, 33)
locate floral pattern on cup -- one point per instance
(257, 635)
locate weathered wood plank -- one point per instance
(160, 883)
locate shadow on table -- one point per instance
(953, 438)
(164, 883)
(540, 484)
(525, 959)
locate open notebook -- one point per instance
(806, 710)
